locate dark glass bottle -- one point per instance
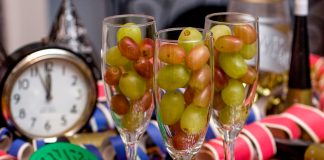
(3, 69)
(299, 82)
(3, 55)
(67, 31)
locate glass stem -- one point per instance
(131, 150)
(229, 141)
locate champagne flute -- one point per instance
(236, 71)
(183, 80)
(127, 70)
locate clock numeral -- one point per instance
(79, 94)
(34, 71)
(73, 109)
(75, 79)
(22, 113)
(64, 121)
(47, 126)
(23, 84)
(16, 97)
(63, 70)
(48, 66)
(33, 119)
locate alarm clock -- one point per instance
(47, 91)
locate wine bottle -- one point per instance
(69, 32)
(3, 55)
(3, 69)
(299, 81)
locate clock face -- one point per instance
(49, 97)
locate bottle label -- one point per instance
(274, 49)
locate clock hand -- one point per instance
(48, 87)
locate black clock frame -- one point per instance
(13, 59)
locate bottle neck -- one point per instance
(299, 72)
(303, 96)
(301, 8)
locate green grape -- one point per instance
(194, 119)
(228, 44)
(130, 30)
(233, 93)
(171, 107)
(132, 120)
(128, 67)
(200, 78)
(248, 51)
(172, 77)
(220, 30)
(232, 115)
(189, 37)
(114, 57)
(132, 85)
(233, 65)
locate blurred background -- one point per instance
(23, 22)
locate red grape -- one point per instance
(112, 75)
(221, 79)
(249, 77)
(200, 78)
(180, 140)
(146, 101)
(172, 54)
(129, 48)
(218, 102)
(228, 44)
(143, 104)
(246, 33)
(144, 67)
(197, 57)
(147, 48)
(202, 97)
(189, 95)
(119, 104)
